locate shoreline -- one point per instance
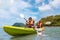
(51, 26)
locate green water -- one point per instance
(50, 33)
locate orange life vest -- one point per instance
(30, 22)
(39, 25)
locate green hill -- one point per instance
(19, 24)
(53, 20)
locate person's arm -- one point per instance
(27, 22)
(41, 24)
(33, 21)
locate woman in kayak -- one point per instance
(39, 28)
(40, 25)
(30, 22)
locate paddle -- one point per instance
(23, 17)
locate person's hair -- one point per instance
(30, 17)
(40, 21)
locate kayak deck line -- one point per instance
(18, 27)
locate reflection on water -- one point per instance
(30, 37)
(50, 33)
(38, 37)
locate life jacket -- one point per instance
(30, 22)
(39, 25)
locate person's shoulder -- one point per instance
(33, 19)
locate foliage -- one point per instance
(55, 20)
(19, 24)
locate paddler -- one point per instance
(39, 28)
(30, 23)
(39, 25)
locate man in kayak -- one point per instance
(30, 22)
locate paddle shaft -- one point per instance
(25, 19)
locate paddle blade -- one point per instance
(22, 15)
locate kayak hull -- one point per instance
(18, 31)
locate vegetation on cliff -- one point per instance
(54, 20)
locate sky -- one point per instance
(11, 10)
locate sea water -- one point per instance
(50, 33)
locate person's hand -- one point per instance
(32, 26)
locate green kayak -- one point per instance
(18, 31)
